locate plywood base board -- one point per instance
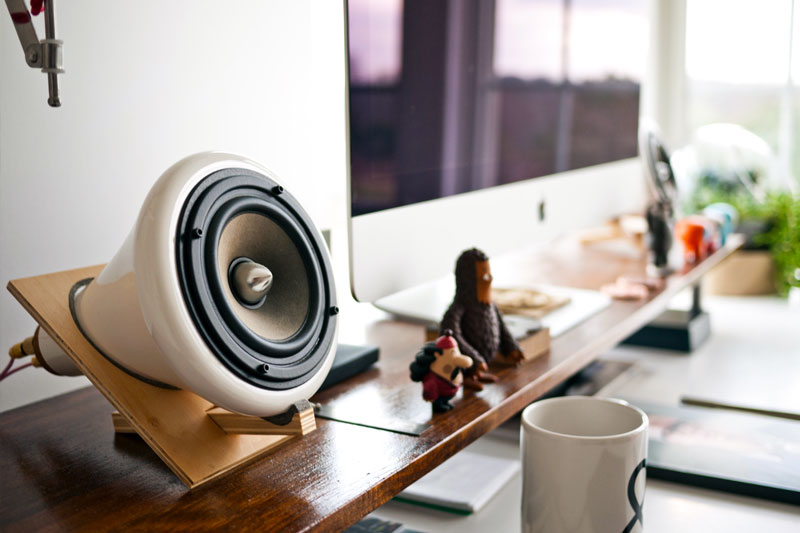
(174, 423)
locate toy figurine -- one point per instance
(726, 216)
(692, 234)
(701, 236)
(476, 322)
(439, 366)
(659, 215)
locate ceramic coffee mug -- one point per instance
(583, 461)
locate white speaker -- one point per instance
(224, 288)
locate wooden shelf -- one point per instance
(64, 467)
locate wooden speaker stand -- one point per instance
(197, 440)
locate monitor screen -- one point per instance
(447, 97)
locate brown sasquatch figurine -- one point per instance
(476, 322)
(438, 366)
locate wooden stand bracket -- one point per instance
(197, 440)
(302, 423)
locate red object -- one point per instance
(37, 6)
(712, 235)
(20, 17)
(434, 387)
(446, 342)
(692, 234)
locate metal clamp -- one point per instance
(45, 54)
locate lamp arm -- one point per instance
(45, 54)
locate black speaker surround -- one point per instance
(269, 363)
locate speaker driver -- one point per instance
(252, 244)
(255, 279)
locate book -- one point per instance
(463, 484)
(742, 453)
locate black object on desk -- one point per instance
(682, 331)
(372, 524)
(349, 361)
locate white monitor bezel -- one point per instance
(403, 247)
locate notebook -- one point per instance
(463, 484)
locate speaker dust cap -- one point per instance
(256, 279)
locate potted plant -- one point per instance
(771, 224)
(727, 163)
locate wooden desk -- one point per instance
(63, 467)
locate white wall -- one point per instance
(147, 83)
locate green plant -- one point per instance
(781, 212)
(783, 239)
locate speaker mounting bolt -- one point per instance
(197, 233)
(263, 368)
(277, 189)
(334, 310)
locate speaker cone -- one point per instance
(251, 244)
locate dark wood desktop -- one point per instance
(64, 468)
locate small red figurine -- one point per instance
(439, 366)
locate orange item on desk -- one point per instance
(698, 237)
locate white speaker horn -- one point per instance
(224, 288)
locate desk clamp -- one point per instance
(45, 54)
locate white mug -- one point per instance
(583, 461)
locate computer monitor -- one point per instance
(486, 123)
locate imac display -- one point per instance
(491, 123)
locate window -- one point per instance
(743, 67)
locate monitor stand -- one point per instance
(427, 304)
